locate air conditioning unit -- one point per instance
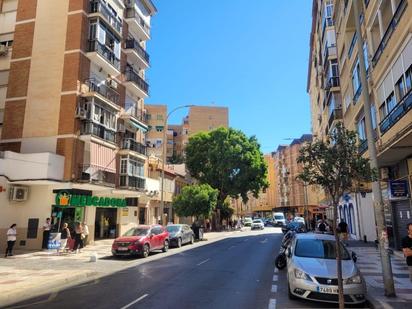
(18, 194)
(4, 50)
(81, 113)
(111, 83)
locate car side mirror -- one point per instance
(150, 235)
(289, 251)
(354, 257)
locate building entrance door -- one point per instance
(402, 215)
(105, 223)
(142, 215)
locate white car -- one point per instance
(279, 219)
(257, 224)
(299, 219)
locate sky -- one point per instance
(251, 56)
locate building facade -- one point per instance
(72, 85)
(386, 41)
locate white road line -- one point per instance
(276, 270)
(246, 239)
(231, 247)
(135, 301)
(275, 278)
(207, 260)
(274, 288)
(272, 303)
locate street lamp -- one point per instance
(162, 202)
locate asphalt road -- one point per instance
(235, 272)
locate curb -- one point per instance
(371, 303)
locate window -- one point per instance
(159, 117)
(400, 88)
(104, 117)
(123, 165)
(135, 168)
(7, 43)
(329, 12)
(373, 114)
(148, 116)
(383, 111)
(361, 129)
(408, 79)
(356, 83)
(365, 55)
(159, 128)
(390, 102)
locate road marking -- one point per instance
(231, 247)
(135, 301)
(207, 260)
(275, 278)
(276, 270)
(246, 239)
(272, 303)
(264, 241)
(274, 288)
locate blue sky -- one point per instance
(251, 56)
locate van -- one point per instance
(279, 219)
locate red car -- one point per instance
(141, 240)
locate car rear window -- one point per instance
(279, 217)
(318, 248)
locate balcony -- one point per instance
(98, 8)
(332, 82)
(137, 54)
(93, 88)
(334, 114)
(363, 146)
(330, 51)
(94, 174)
(389, 31)
(136, 84)
(98, 130)
(137, 24)
(104, 57)
(132, 182)
(400, 110)
(131, 144)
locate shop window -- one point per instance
(32, 228)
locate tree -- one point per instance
(195, 200)
(229, 161)
(334, 164)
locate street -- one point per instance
(237, 272)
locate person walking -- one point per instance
(46, 234)
(322, 226)
(407, 249)
(343, 230)
(78, 238)
(65, 236)
(85, 233)
(11, 239)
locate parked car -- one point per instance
(312, 271)
(180, 234)
(257, 224)
(269, 222)
(279, 219)
(294, 225)
(248, 221)
(141, 240)
(299, 219)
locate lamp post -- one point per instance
(162, 202)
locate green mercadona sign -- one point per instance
(66, 199)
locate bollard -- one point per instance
(93, 257)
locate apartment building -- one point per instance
(385, 37)
(291, 194)
(72, 91)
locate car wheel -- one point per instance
(280, 261)
(179, 242)
(290, 295)
(192, 240)
(165, 246)
(146, 251)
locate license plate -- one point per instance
(122, 249)
(327, 290)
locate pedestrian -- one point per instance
(65, 236)
(11, 239)
(343, 230)
(46, 234)
(322, 226)
(407, 249)
(78, 238)
(85, 233)
(313, 223)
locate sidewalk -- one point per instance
(32, 274)
(370, 266)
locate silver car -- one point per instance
(312, 270)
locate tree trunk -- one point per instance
(338, 256)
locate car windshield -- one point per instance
(139, 231)
(173, 228)
(279, 217)
(319, 248)
(257, 221)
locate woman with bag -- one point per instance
(11, 239)
(78, 238)
(65, 236)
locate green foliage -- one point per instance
(335, 164)
(195, 200)
(176, 159)
(227, 160)
(226, 211)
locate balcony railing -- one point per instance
(97, 6)
(333, 81)
(397, 113)
(131, 144)
(363, 146)
(132, 13)
(132, 182)
(90, 173)
(105, 52)
(89, 127)
(103, 90)
(133, 44)
(352, 45)
(132, 76)
(388, 33)
(137, 113)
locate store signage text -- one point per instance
(66, 199)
